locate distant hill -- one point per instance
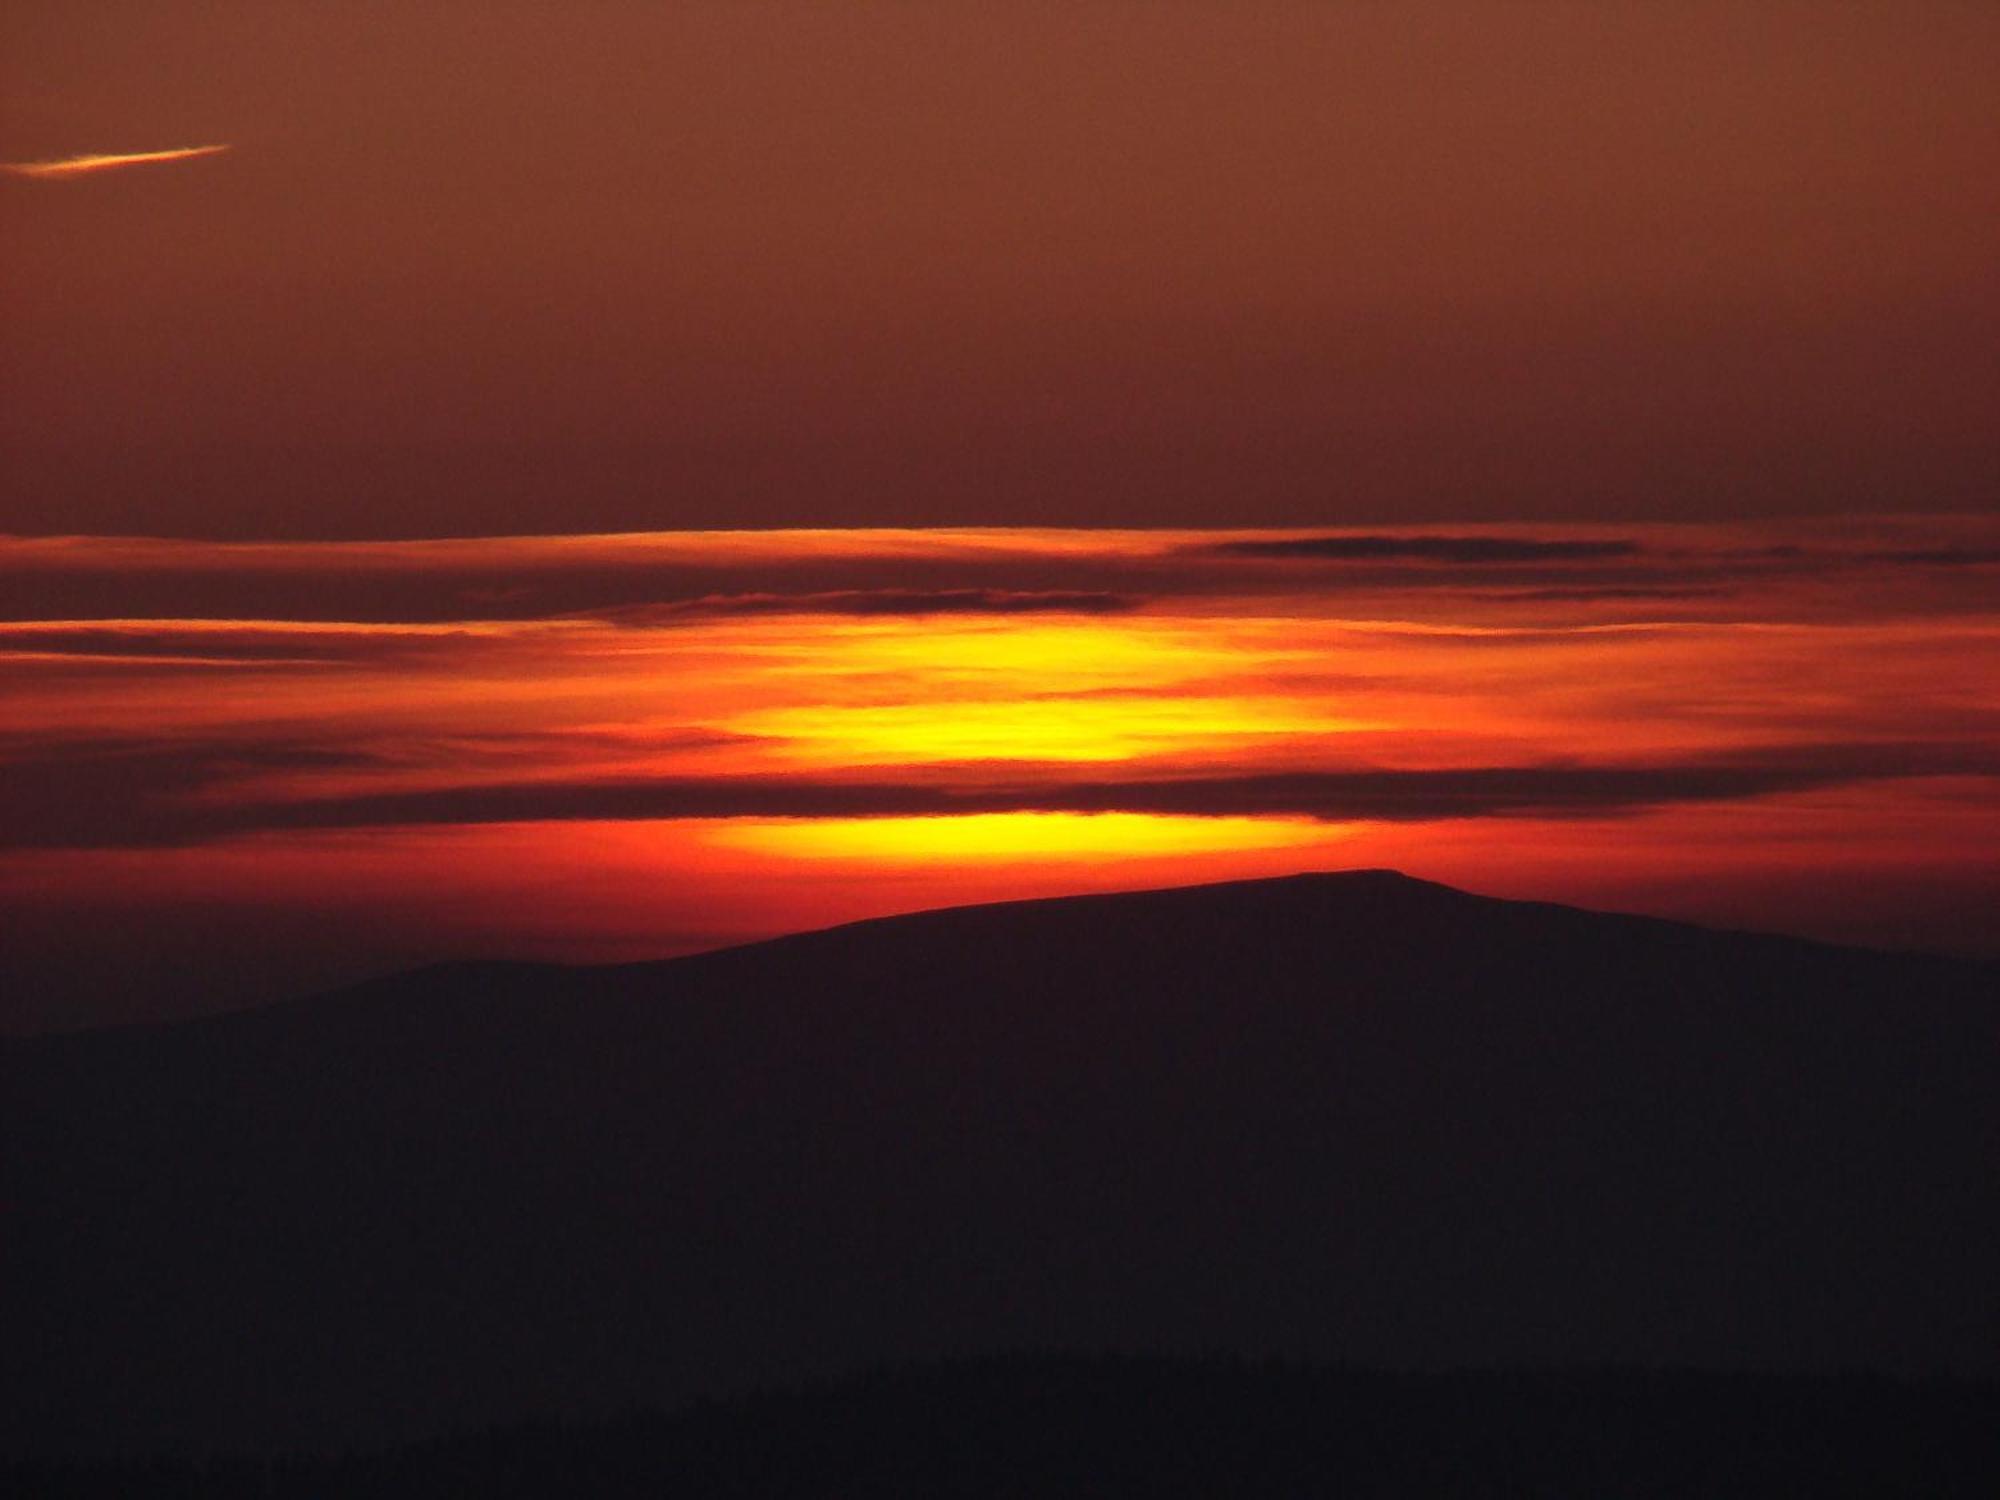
(1349, 1117)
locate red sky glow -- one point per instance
(630, 746)
(607, 481)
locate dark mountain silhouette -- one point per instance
(1349, 1117)
(1155, 1428)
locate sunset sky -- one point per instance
(603, 481)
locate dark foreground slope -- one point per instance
(1154, 1428)
(1352, 1117)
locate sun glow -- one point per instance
(622, 747)
(1021, 655)
(1061, 729)
(1019, 835)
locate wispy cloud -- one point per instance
(106, 161)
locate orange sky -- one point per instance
(626, 746)
(487, 476)
(501, 266)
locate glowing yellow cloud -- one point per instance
(1017, 835)
(1079, 729)
(83, 166)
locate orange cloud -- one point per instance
(110, 161)
(622, 746)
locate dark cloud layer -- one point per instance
(894, 602)
(1943, 557)
(166, 643)
(1444, 549)
(116, 795)
(1607, 593)
(532, 588)
(1934, 562)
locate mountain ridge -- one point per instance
(1329, 881)
(1344, 1116)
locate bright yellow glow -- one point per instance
(980, 657)
(1073, 729)
(218, 737)
(1017, 835)
(82, 166)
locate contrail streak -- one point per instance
(82, 166)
